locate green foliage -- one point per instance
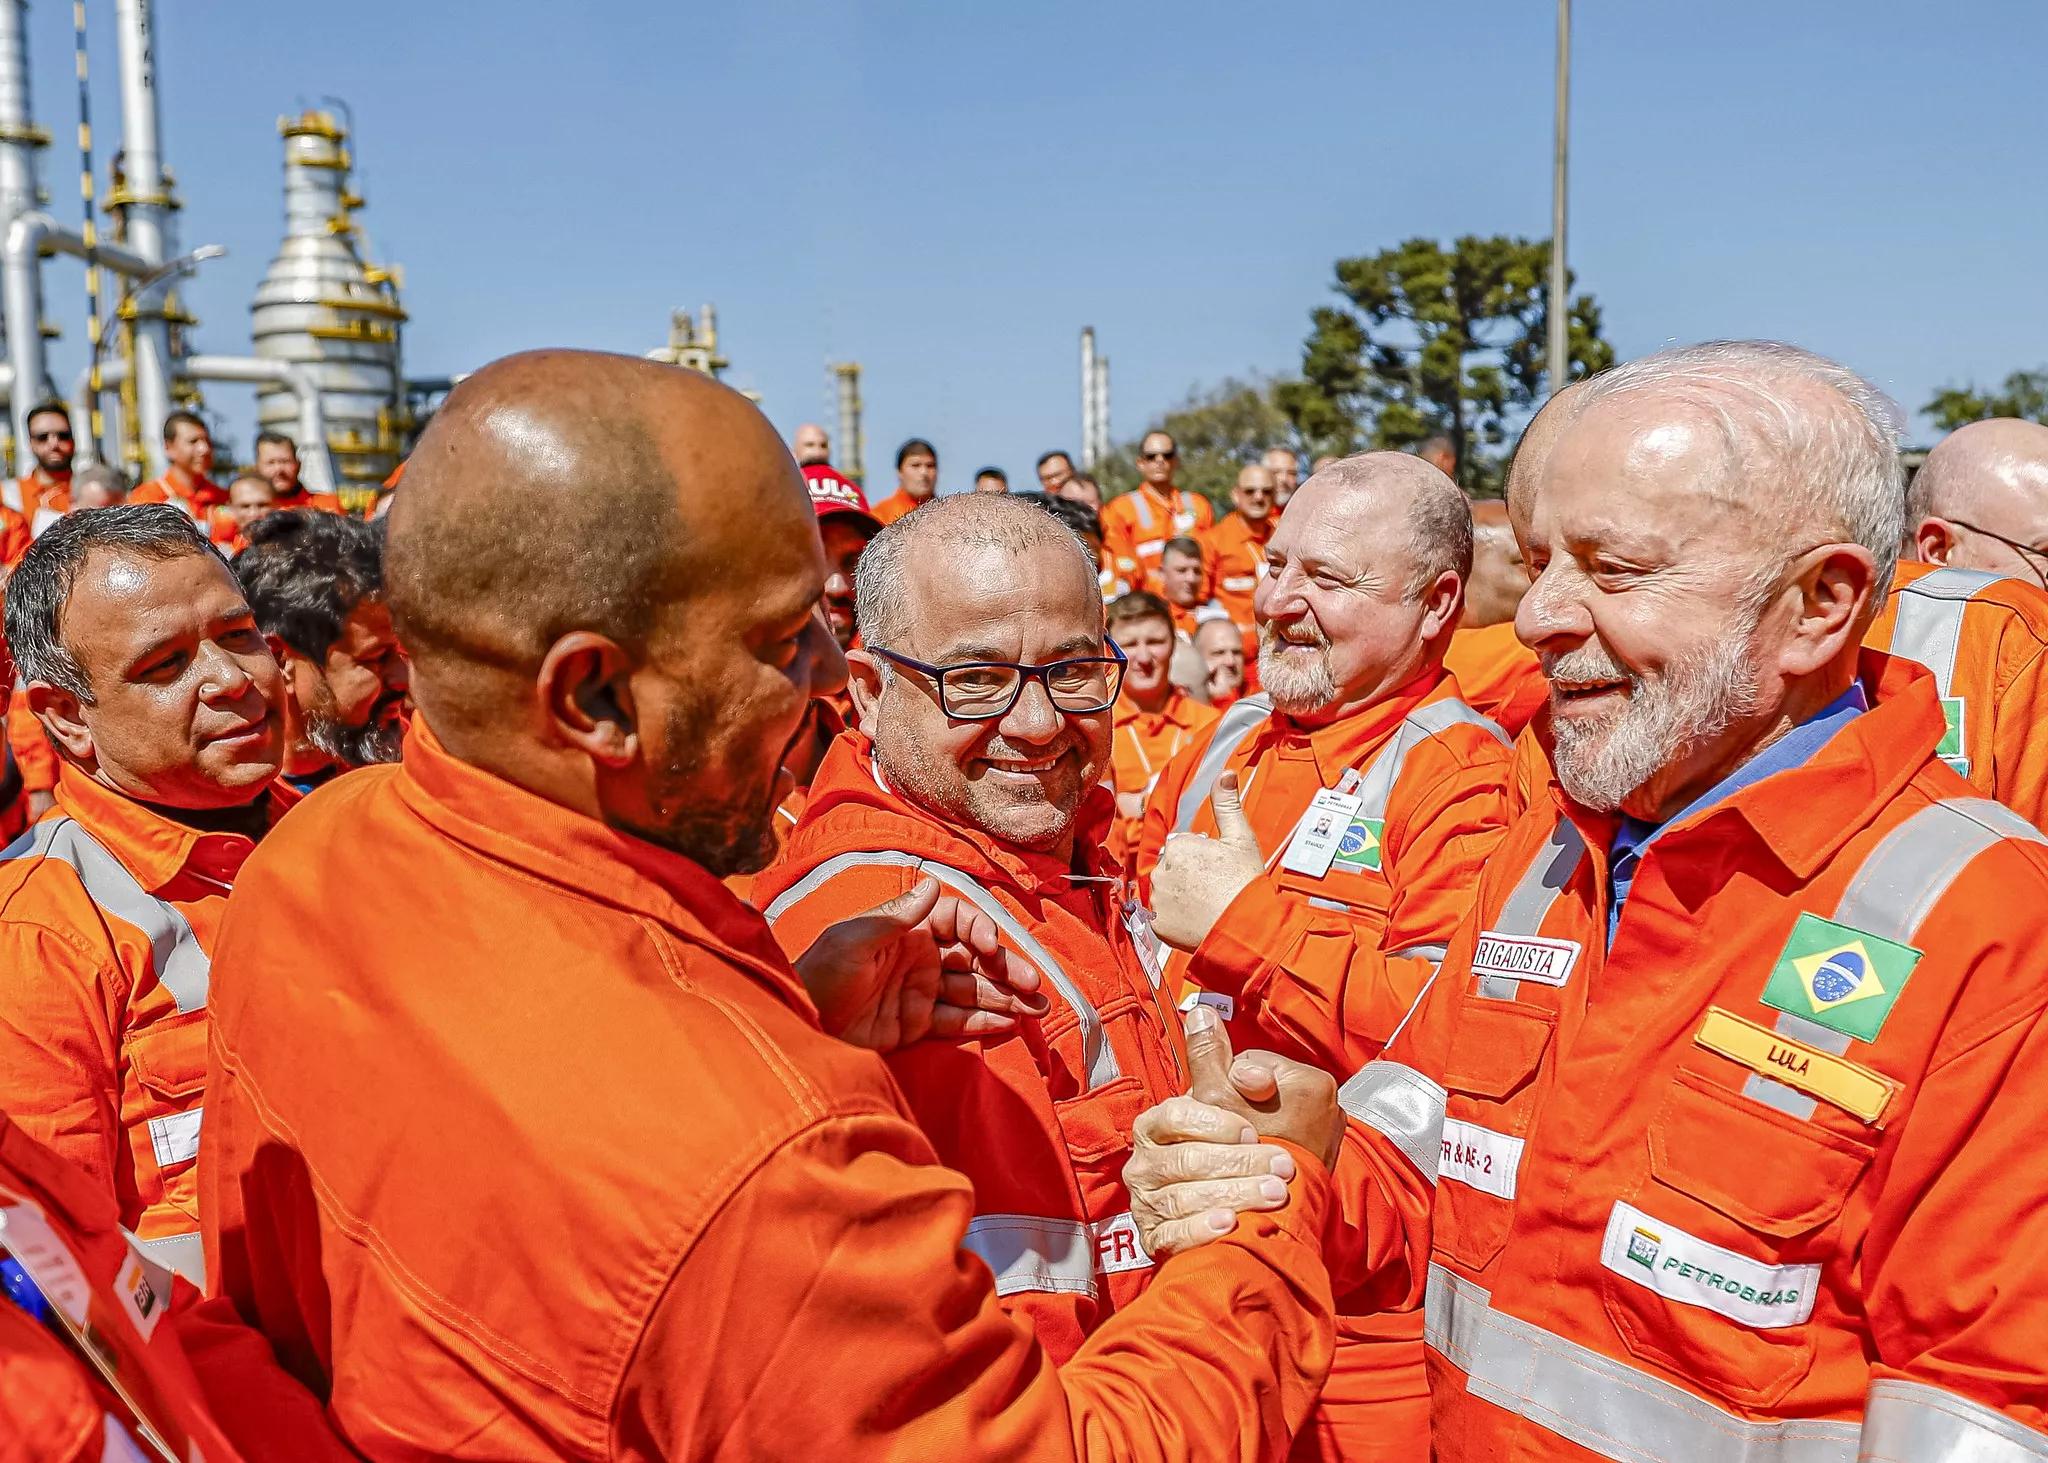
(2024, 394)
(1217, 431)
(1432, 342)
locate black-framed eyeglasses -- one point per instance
(984, 690)
(2037, 551)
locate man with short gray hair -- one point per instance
(986, 688)
(1690, 1148)
(1967, 601)
(141, 659)
(1314, 910)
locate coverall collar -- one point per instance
(155, 849)
(1345, 744)
(509, 825)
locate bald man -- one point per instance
(1285, 469)
(534, 1148)
(1968, 603)
(1236, 546)
(811, 446)
(1373, 795)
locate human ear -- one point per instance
(585, 683)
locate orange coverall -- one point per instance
(895, 506)
(306, 498)
(550, 1160)
(207, 504)
(1325, 968)
(1500, 676)
(1982, 638)
(1142, 744)
(1041, 1121)
(1762, 1179)
(1236, 550)
(1136, 526)
(188, 1368)
(40, 503)
(107, 918)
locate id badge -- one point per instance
(1145, 940)
(1316, 837)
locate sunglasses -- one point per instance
(1157, 456)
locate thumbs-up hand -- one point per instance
(1198, 876)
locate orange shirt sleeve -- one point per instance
(843, 1265)
(58, 1047)
(1329, 980)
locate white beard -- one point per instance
(1298, 684)
(1666, 717)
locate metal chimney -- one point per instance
(1088, 398)
(144, 200)
(323, 306)
(1102, 408)
(852, 448)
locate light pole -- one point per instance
(1560, 303)
(184, 264)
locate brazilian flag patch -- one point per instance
(1951, 751)
(1841, 978)
(1359, 849)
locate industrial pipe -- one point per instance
(21, 296)
(145, 202)
(19, 136)
(1087, 398)
(316, 463)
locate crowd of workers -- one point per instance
(695, 963)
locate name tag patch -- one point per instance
(1855, 1089)
(1480, 1158)
(1646, 1251)
(174, 1138)
(1117, 1247)
(1524, 957)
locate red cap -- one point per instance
(832, 492)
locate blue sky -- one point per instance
(947, 192)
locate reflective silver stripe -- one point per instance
(1913, 866)
(1434, 954)
(1335, 906)
(1095, 1051)
(1788, 1100)
(1404, 1105)
(1240, 720)
(1930, 623)
(1028, 1252)
(1911, 1422)
(184, 1253)
(1530, 900)
(1144, 507)
(1376, 789)
(181, 965)
(1608, 1407)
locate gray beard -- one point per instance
(354, 746)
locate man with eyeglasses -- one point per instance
(1968, 602)
(1371, 796)
(1138, 525)
(43, 494)
(986, 689)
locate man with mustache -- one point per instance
(1372, 796)
(1687, 1149)
(986, 689)
(140, 657)
(315, 583)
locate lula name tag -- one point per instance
(1321, 829)
(1524, 957)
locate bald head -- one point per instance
(1498, 579)
(945, 534)
(604, 570)
(1372, 484)
(1984, 483)
(811, 445)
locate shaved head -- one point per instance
(603, 569)
(1985, 482)
(1498, 578)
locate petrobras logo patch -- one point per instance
(1686, 1270)
(1524, 957)
(1118, 1248)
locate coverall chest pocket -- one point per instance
(1718, 1272)
(160, 1108)
(1490, 1077)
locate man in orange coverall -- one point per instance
(549, 1157)
(986, 688)
(1136, 526)
(144, 664)
(122, 1348)
(1153, 718)
(1716, 1136)
(1497, 673)
(1975, 513)
(1373, 796)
